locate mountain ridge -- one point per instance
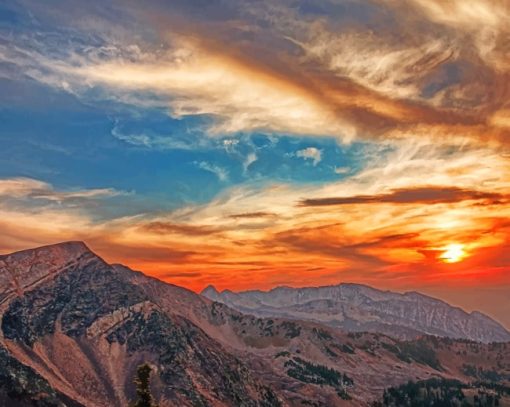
(358, 307)
(211, 288)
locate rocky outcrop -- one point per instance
(355, 307)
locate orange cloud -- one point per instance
(415, 195)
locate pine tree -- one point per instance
(143, 392)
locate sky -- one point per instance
(255, 143)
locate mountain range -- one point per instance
(359, 308)
(74, 329)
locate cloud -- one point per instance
(192, 81)
(310, 153)
(160, 227)
(140, 253)
(249, 160)
(21, 187)
(342, 170)
(305, 240)
(486, 21)
(151, 140)
(302, 74)
(425, 195)
(30, 189)
(221, 173)
(183, 275)
(252, 215)
(396, 70)
(230, 144)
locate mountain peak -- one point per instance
(24, 269)
(210, 292)
(66, 249)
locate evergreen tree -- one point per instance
(143, 392)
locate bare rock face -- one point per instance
(357, 308)
(24, 270)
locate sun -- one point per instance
(453, 253)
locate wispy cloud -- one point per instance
(315, 77)
(31, 189)
(155, 141)
(249, 160)
(252, 215)
(220, 172)
(486, 22)
(162, 227)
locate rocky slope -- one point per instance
(74, 329)
(82, 327)
(367, 362)
(357, 308)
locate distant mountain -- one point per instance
(74, 329)
(356, 308)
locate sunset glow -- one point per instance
(255, 144)
(453, 253)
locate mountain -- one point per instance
(74, 329)
(358, 308)
(81, 327)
